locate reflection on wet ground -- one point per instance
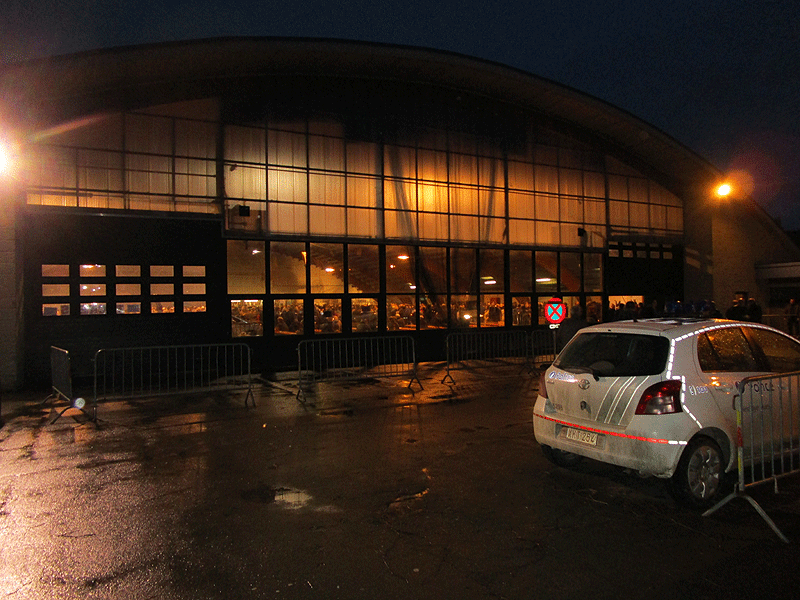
(376, 492)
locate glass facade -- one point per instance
(421, 228)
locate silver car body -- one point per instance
(595, 417)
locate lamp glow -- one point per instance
(724, 190)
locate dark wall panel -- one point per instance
(75, 239)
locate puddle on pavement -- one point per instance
(283, 497)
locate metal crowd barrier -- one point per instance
(473, 348)
(165, 370)
(61, 379)
(338, 359)
(768, 436)
(543, 344)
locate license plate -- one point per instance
(584, 437)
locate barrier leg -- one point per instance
(739, 494)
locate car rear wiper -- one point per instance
(576, 370)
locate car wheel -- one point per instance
(562, 458)
(700, 477)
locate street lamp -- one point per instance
(724, 190)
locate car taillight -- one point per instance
(660, 399)
(542, 386)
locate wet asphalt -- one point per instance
(367, 490)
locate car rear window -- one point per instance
(608, 354)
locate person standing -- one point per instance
(791, 312)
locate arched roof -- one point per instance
(43, 92)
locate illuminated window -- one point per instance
(93, 308)
(128, 289)
(55, 289)
(287, 267)
(521, 311)
(55, 310)
(194, 306)
(55, 270)
(327, 315)
(162, 271)
(129, 308)
(93, 289)
(246, 267)
(93, 270)
(289, 316)
(247, 318)
(194, 271)
(401, 312)
(363, 276)
(162, 289)
(196, 289)
(162, 307)
(327, 268)
(128, 271)
(365, 315)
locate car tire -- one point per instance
(700, 479)
(562, 458)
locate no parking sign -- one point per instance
(555, 311)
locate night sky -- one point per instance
(721, 77)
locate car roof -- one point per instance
(668, 327)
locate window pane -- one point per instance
(289, 316)
(55, 310)
(520, 271)
(521, 311)
(194, 271)
(328, 315)
(400, 270)
(162, 271)
(194, 288)
(492, 311)
(725, 350)
(492, 271)
(570, 272)
(194, 306)
(594, 309)
(55, 270)
(93, 289)
(247, 318)
(162, 307)
(129, 289)
(433, 279)
(93, 308)
(593, 272)
(129, 271)
(287, 267)
(401, 312)
(55, 289)
(546, 271)
(363, 273)
(246, 270)
(129, 308)
(365, 314)
(781, 352)
(464, 310)
(162, 289)
(432, 313)
(463, 271)
(93, 270)
(327, 268)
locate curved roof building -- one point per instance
(275, 190)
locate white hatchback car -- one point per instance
(656, 396)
